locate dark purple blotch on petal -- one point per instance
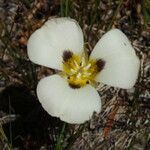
(74, 86)
(67, 55)
(100, 64)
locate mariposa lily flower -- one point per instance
(70, 94)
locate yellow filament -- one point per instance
(80, 72)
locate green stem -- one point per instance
(59, 143)
(115, 14)
(73, 138)
(67, 8)
(3, 137)
(61, 8)
(10, 127)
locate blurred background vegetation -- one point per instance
(124, 122)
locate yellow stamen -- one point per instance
(78, 72)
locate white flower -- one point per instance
(70, 95)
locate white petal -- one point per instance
(121, 72)
(121, 63)
(47, 44)
(70, 105)
(114, 44)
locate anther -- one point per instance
(82, 61)
(87, 67)
(76, 64)
(72, 70)
(79, 75)
(86, 73)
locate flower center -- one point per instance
(79, 70)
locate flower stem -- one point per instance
(59, 140)
(115, 14)
(73, 138)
